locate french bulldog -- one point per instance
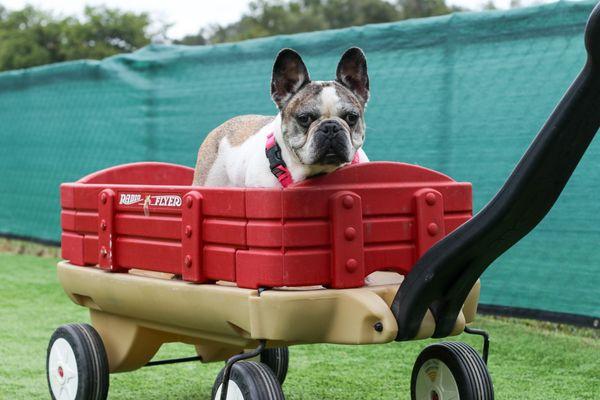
(320, 127)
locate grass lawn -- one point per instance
(528, 360)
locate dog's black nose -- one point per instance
(330, 127)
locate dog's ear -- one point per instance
(352, 73)
(289, 76)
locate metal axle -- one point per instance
(486, 340)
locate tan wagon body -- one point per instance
(136, 314)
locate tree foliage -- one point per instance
(276, 17)
(30, 37)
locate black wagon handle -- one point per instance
(441, 280)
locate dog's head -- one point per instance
(322, 121)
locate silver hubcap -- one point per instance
(62, 370)
(436, 382)
(233, 392)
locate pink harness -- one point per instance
(277, 165)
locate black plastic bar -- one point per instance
(233, 360)
(486, 341)
(173, 361)
(442, 278)
(540, 315)
(45, 242)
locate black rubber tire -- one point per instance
(278, 360)
(466, 365)
(255, 380)
(90, 355)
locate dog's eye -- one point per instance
(352, 118)
(304, 119)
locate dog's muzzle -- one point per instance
(331, 144)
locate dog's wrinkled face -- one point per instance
(322, 122)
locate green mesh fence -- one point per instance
(462, 94)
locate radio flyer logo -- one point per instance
(150, 200)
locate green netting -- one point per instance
(463, 94)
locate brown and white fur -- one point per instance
(319, 128)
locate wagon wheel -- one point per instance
(278, 360)
(249, 381)
(450, 371)
(76, 364)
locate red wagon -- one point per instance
(233, 268)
